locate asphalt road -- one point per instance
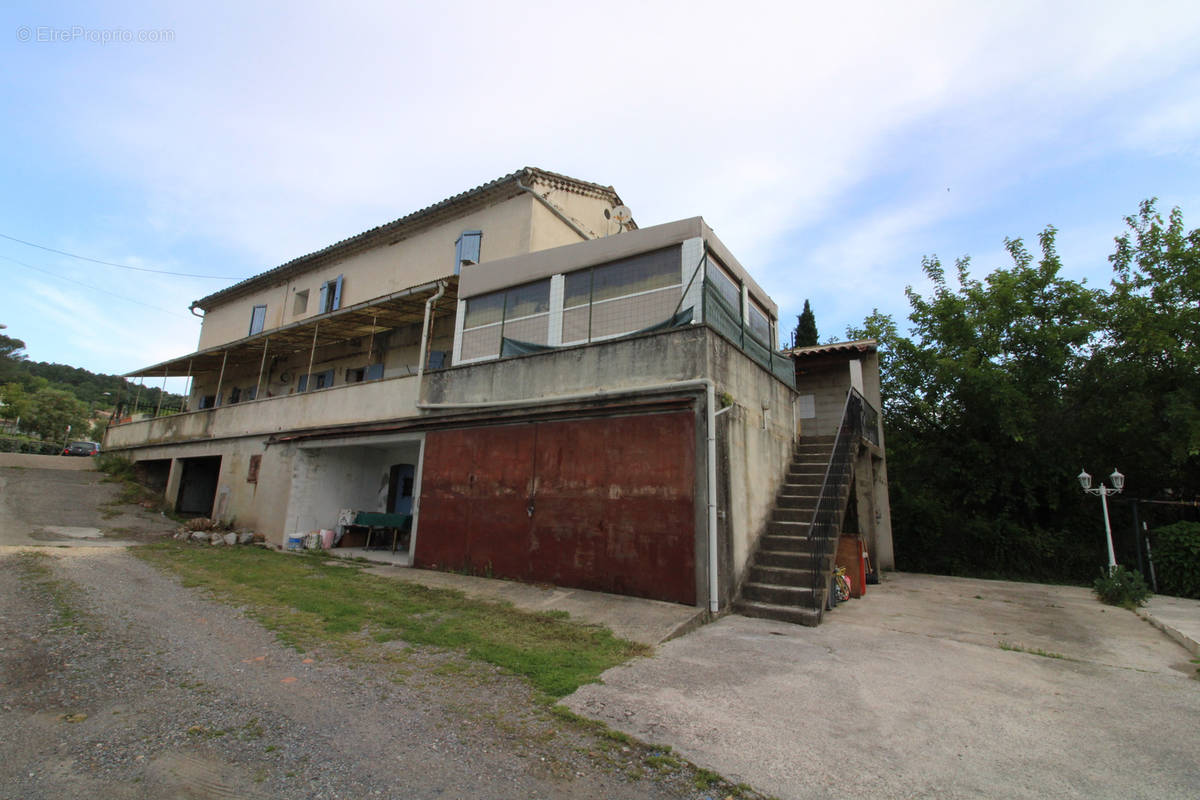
(929, 687)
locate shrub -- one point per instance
(1121, 588)
(119, 467)
(1177, 559)
(15, 445)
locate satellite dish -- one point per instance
(622, 214)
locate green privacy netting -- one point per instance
(515, 347)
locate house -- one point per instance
(527, 384)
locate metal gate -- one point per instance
(606, 504)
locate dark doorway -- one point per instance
(153, 473)
(198, 485)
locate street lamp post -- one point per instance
(1118, 484)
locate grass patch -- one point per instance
(1034, 651)
(35, 568)
(664, 762)
(706, 779)
(309, 602)
(201, 732)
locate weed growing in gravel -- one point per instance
(35, 568)
(663, 762)
(309, 602)
(1035, 651)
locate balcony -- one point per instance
(390, 398)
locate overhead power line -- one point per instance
(112, 263)
(93, 288)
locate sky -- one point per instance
(829, 148)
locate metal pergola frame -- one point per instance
(363, 320)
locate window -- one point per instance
(522, 312)
(726, 286)
(300, 303)
(577, 289)
(484, 310)
(320, 380)
(331, 295)
(356, 375)
(633, 275)
(621, 296)
(241, 395)
(527, 300)
(760, 324)
(252, 470)
(258, 318)
(466, 249)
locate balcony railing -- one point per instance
(390, 398)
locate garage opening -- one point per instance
(362, 491)
(198, 485)
(153, 473)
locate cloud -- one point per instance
(812, 137)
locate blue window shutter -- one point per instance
(321, 305)
(467, 248)
(302, 386)
(374, 372)
(258, 319)
(337, 294)
(437, 359)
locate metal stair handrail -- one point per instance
(826, 519)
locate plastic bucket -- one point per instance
(295, 541)
(326, 538)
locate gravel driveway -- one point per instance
(117, 682)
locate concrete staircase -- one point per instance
(782, 574)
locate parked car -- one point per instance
(82, 449)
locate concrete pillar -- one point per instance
(456, 356)
(558, 285)
(692, 272)
(885, 555)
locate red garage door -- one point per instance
(604, 504)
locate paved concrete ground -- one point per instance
(1177, 617)
(53, 501)
(31, 461)
(911, 692)
(646, 621)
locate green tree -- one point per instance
(16, 402)
(11, 357)
(805, 334)
(52, 411)
(1004, 387)
(1146, 375)
(980, 417)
